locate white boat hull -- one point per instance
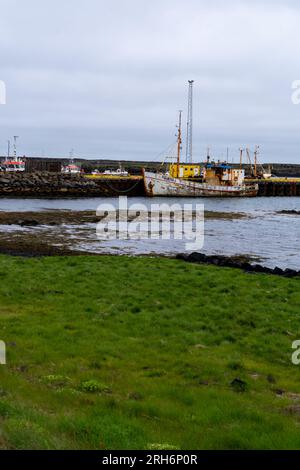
(157, 184)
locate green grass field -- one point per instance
(140, 353)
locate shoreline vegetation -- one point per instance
(108, 352)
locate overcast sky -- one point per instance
(107, 78)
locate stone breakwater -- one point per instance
(46, 184)
(236, 262)
(60, 185)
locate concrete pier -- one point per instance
(279, 188)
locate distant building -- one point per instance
(71, 169)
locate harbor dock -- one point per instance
(44, 184)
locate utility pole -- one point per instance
(15, 147)
(189, 134)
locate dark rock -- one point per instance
(290, 273)
(258, 268)
(29, 223)
(248, 267)
(222, 261)
(181, 256)
(237, 264)
(5, 181)
(278, 271)
(271, 379)
(199, 257)
(239, 385)
(214, 260)
(268, 270)
(292, 212)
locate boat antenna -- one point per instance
(179, 142)
(189, 134)
(250, 163)
(71, 154)
(241, 158)
(208, 155)
(15, 146)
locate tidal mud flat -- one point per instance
(232, 238)
(59, 217)
(55, 232)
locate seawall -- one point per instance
(61, 185)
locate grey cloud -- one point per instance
(108, 78)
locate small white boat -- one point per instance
(10, 166)
(118, 172)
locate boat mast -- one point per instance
(179, 142)
(15, 147)
(8, 151)
(250, 163)
(255, 160)
(241, 158)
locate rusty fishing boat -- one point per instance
(194, 180)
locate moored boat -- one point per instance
(16, 166)
(159, 184)
(194, 180)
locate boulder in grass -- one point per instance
(239, 385)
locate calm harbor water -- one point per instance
(265, 233)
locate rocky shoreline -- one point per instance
(42, 184)
(236, 262)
